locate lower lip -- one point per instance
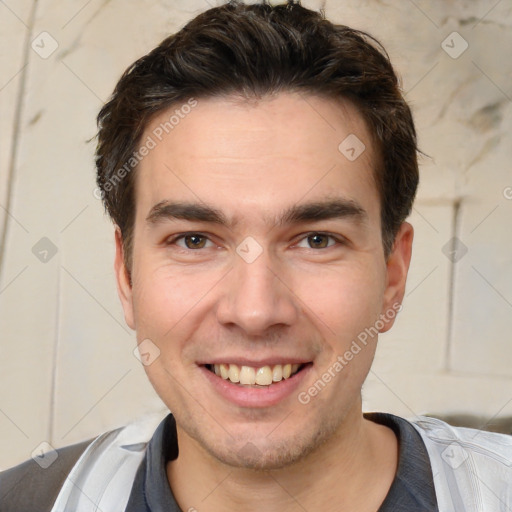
(256, 397)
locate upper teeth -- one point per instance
(248, 375)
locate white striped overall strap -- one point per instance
(102, 478)
(472, 469)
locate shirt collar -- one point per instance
(412, 487)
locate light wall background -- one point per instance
(67, 366)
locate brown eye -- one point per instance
(190, 241)
(318, 241)
(194, 241)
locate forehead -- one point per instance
(230, 151)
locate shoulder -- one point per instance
(477, 451)
(29, 487)
(469, 465)
(443, 433)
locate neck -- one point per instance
(352, 471)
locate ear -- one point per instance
(397, 266)
(124, 286)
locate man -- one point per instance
(259, 166)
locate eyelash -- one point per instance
(339, 240)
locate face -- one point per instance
(257, 252)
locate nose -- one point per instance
(257, 297)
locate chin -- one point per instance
(264, 454)
(249, 456)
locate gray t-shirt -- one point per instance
(411, 491)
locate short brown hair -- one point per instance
(257, 50)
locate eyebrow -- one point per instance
(339, 208)
(323, 210)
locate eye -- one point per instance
(319, 241)
(190, 241)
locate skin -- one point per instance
(306, 298)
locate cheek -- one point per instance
(160, 299)
(163, 308)
(345, 305)
(170, 304)
(346, 299)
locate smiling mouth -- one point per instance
(263, 376)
